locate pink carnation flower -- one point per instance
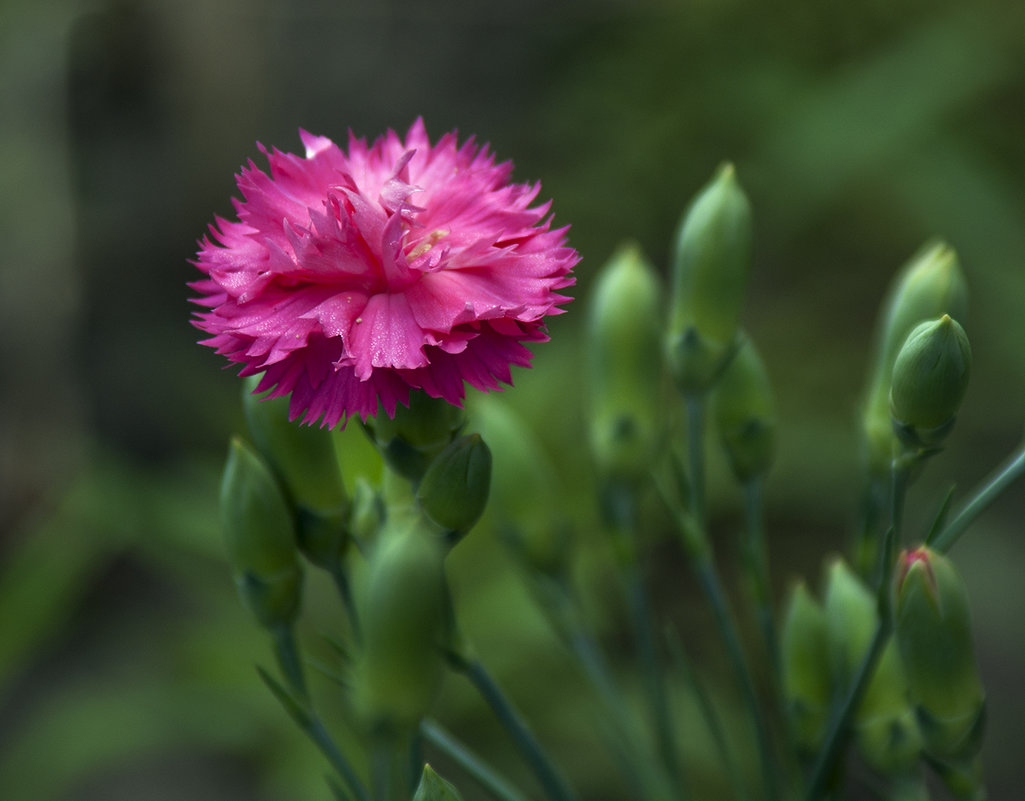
(350, 278)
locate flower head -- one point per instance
(350, 278)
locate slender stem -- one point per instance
(710, 717)
(478, 769)
(990, 491)
(415, 765)
(709, 580)
(554, 785)
(695, 404)
(287, 652)
(345, 593)
(836, 737)
(758, 567)
(380, 769)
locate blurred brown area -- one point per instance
(859, 131)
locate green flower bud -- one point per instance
(434, 788)
(851, 619)
(885, 726)
(711, 263)
(745, 413)
(929, 286)
(933, 635)
(526, 494)
(304, 462)
(260, 536)
(404, 614)
(930, 377)
(625, 364)
(454, 490)
(805, 667)
(416, 434)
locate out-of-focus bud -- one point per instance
(454, 490)
(260, 536)
(933, 635)
(367, 511)
(851, 619)
(745, 413)
(416, 434)
(885, 727)
(711, 264)
(434, 788)
(527, 501)
(805, 666)
(930, 285)
(303, 460)
(404, 614)
(930, 377)
(624, 341)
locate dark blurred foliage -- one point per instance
(859, 130)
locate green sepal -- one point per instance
(454, 490)
(805, 667)
(434, 788)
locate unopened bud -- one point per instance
(404, 613)
(933, 634)
(930, 377)
(303, 460)
(434, 788)
(805, 667)
(625, 360)
(711, 264)
(885, 726)
(930, 285)
(851, 619)
(745, 414)
(260, 536)
(454, 490)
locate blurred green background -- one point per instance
(859, 130)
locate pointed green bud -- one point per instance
(404, 614)
(416, 434)
(745, 413)
(711, 264)
(930, 285)
(851, 619)
(368, 511)
(933, 635)
(805, 667)
(930, 377)
(303, 460)
(454, 490)
(260, 536)
(434, 788)
(885, 726)
(526, 500)
(625, 364)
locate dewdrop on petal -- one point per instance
(624, 336)
(260, 536)
(930, 378)
(930, 285)
(711, 264)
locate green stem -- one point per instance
(695, 404)
(380, 769)
(287, 652)
(319, 735)
(836, 736)
(757, 553)
(480, 771)
(554, 785)
(710, 717)
(1012, 470)
(345, 593)
(709, 580)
